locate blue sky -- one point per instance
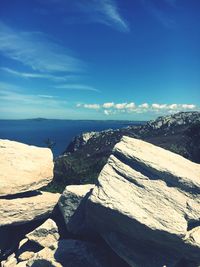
(99, 59)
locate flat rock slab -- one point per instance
(23, 167)
(147, 205)
(24, 209)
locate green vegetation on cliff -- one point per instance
(87, 154)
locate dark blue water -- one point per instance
(36, 131)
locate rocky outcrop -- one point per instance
(23, 167)
(175, 120)
(72, 204)
(146, 205)
(86, 155)
(25, 209)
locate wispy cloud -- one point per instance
(160, 14)
(79, 87)
(14, 94)
(36, 50)
(8, 86)
(28, 75)
(46, 96)
(104, 12)
(110, 108)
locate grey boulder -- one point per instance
(72, 206)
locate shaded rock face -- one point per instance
(65, 252)
(146, 205)
(72, 206)
(75, 253)
(23, 167)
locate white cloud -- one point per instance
(46, 96)
(36, 50)
(28, 99)
(106, 112)
(91, 106)
(111, 108)
(78, 105)
(120, 105)
(108, 105)
(38, 75)
(112, 16)
(130, 106)
(80, 87)
(90, 11)
(144, 105)
(9, 87)
(159, 106)
(173, 106)
(104, 12)
(188, 106)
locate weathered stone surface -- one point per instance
(72, 206)
(10, 262)
(23, 167)
(45, 235)
(25, 256)
(147, 206)
(22, 243)
(74, 253)
(22, 264)
(25, 209)
(45, 257)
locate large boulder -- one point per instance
(72, 206)
(36, 205)
(147, 205)
(23, 167)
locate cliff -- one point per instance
(87, 154)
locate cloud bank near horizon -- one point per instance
(111, 108)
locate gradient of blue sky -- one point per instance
(99, 59)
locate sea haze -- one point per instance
(36, 131)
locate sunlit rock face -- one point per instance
(27, 208)
(146, 205)
(23, 167)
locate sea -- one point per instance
(60, 132)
